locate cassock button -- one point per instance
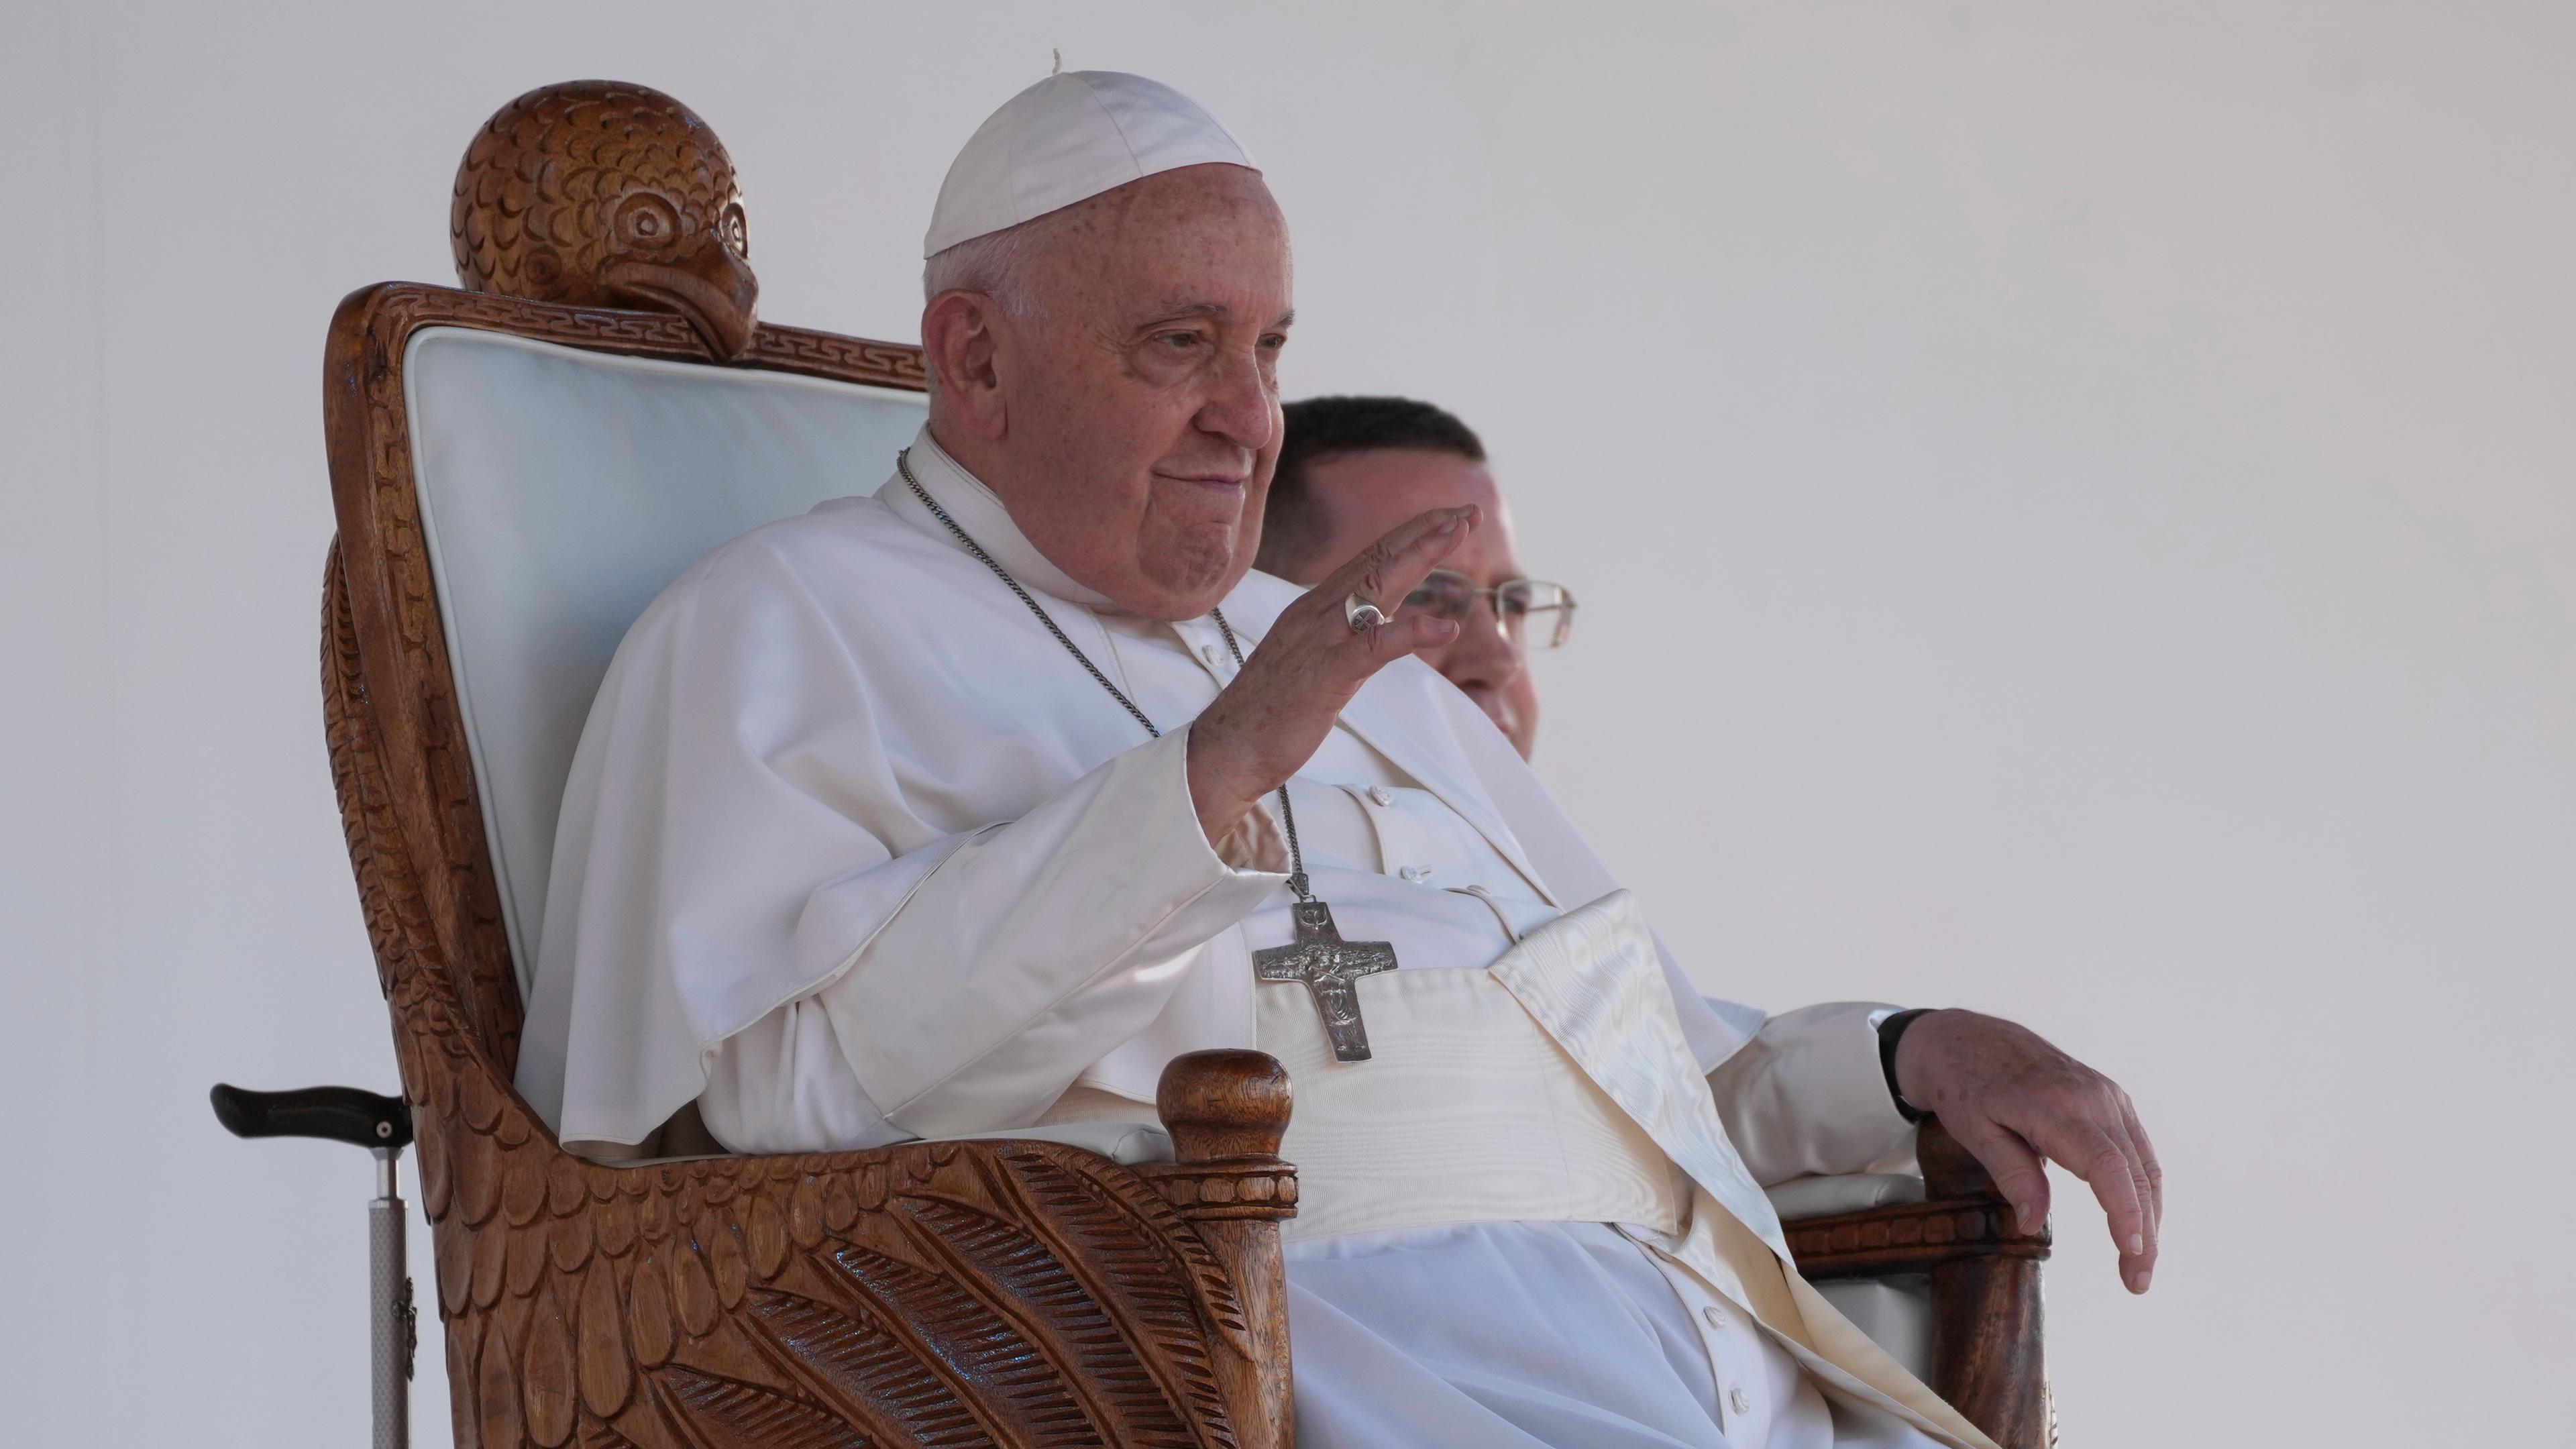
(1381, 795)
(1208, 653)
(1416, 873)
(1738, 1400)
(1715, 1315)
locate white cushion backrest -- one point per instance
(560, 490)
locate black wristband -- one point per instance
(1890, 1032)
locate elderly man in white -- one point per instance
(968, 805)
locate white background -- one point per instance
(2073, 507)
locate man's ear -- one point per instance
(959, 345)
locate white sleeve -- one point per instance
(1025, 952)
(1806, 1096)
(1036, 946)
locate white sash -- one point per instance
(1555, 1086)
(1466, 1113)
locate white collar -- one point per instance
(981, 512)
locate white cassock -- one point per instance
(853, 851)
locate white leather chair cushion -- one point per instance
(1125, 1143)
(1895, 1312)
(560, 490)
(1822, 1197)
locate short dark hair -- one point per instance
(1292, 524)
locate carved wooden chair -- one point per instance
(1019, 1292)
(1022, 1292)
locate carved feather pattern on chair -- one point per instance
(949, 1294)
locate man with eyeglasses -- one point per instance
(1350, 469)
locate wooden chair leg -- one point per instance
(1989, 1357)
(1986, 1347)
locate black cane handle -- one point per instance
(342, 1114)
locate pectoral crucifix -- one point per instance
(1330, 967)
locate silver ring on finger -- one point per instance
(1362, 615)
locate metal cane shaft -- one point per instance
(382, 1125)
(389, 1288)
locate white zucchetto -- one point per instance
(1068, 138)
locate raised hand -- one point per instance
(1265, 725)
(2017, 1102)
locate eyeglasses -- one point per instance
(1531, 613)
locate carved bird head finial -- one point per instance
(603, 194)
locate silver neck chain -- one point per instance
(1287, 813)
